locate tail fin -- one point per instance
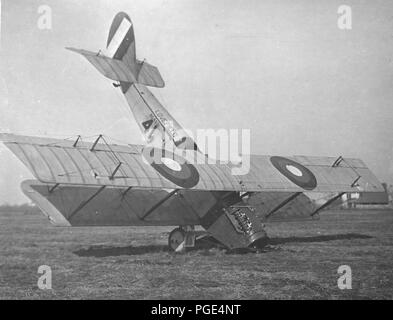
(121, 40)
(118, 61)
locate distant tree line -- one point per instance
(26, 208)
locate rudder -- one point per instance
(121, 40)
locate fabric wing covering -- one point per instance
(63, 162)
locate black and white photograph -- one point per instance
(207, 151)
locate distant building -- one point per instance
(352, 200)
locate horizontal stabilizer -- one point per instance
(149, 75)
(119, 70)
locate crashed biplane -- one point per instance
(81, 183)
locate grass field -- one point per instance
(301, 261)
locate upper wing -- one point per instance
(304, 173)
(64, 162)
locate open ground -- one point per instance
(300, 262)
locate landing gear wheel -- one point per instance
(177, 240)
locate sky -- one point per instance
(282, 69)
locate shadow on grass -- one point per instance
(323, 238)
(105, 251)
(209, 243)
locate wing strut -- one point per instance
(84, 203)
(119, 163)
(114, 171)
(337, 161)
(355, 183)
(327, 203)
(282, 204)
(124, 193)
(95, 142)
(77, 140)
(169, 195)
(54, 187)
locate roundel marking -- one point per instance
(174, 168)
(171, 164)
(295, 172)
